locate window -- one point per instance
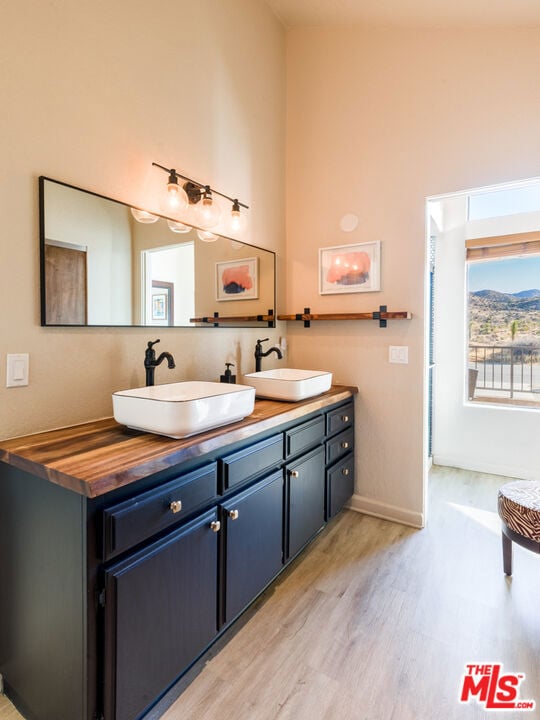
(507, 201)
(504, 319)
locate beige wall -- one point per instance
(92, 93)
(377, 121)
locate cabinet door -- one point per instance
(253, 543)
(306, 493)
(340, 485)
(160, 614)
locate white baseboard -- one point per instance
(368, 506)
(512, 471)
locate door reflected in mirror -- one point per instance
(101, 266)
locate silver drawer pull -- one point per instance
(176, 506)
(233, 514)
(345, 445)
(294, 473)
(344, 418)
(345, 471)
(215, 526)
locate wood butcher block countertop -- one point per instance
(97, 457)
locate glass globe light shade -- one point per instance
(144, 216)
(178, 227)
(207, 211)
(175, 199)
(207, 236)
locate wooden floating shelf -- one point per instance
(382, 315)
(217, 319)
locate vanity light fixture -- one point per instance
(201, 198)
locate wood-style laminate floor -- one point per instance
(377, 621)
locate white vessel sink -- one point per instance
(181, 409)
(288, 383)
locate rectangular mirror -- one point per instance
(100, 266)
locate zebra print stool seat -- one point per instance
(519, 509)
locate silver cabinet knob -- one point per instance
(176, 506)
(344, 418)
(345, 445)
(345, 471)
(215, 526)
(294, 473)
(233, 514)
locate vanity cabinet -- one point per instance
(148, 574)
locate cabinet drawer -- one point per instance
(304, 436)
(339, 445)
(132, 521)
(246, 464)
(340, 485)
(339, 419)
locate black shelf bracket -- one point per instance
(377, 316)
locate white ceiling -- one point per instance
(408, 13)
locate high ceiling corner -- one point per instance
(407, 13)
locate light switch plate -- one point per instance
(17, 370)
(398, 354)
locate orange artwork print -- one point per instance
(236, 280)
(349, 268)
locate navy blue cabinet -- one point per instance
(252, 543)
(340, 459)
(131, 587)
(340, 485)
(306, 500)
(160, 614)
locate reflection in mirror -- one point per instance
(104, 263)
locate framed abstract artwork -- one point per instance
(162, 303)
(350, 268)
(237, 279)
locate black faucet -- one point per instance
(260, 354)
(150, 362)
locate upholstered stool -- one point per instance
(519, 508)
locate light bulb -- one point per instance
(175, 199)
(143, 216)
(178, 227)
(206, 236)
(237, 220)
(208, 212)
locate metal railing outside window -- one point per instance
(506, 368)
